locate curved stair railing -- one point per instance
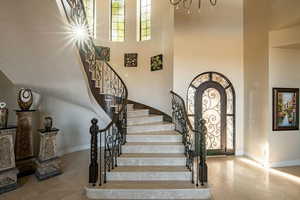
(110, 92)
(194, 140)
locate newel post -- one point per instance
(203, 152)
(93, 168)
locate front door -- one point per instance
(211, 106)
(211, 97)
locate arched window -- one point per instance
(117, 21)
(144, 19)
(89, 6)
(211, 96)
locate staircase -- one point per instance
(140, 156)
(152, 164)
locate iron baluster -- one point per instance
(202, 148)
(100, 160)
(193, 140)
(93, 168)
(105, 155)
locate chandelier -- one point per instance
(187, 4)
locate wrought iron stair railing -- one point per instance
(110, 92)
(194, 140)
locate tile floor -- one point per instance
(231, 178)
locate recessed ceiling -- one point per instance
(295, 46)
(284, 14)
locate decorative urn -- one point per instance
(3, 115)
(25, 99)
(48, 122)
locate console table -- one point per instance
(8, 171)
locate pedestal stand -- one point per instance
(24, 143)
(48, 164)
(8, 171)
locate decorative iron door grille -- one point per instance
(211, 97)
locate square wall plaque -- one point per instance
(130, 59)
(157, 62)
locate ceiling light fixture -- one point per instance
(187, 4)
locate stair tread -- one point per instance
(156, 133)
(137, 110)
(152, 155)
(150, 169)
(151, 185)
(146, 116)
(151, 124)
(153, 143)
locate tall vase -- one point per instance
(3, 115)
(25, 99)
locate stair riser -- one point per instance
(152, 161)
(149, 176)
(144, 120)
(130, 107)
(137, 113)
(150, 128)
(154, 138)
(148, 194)
(153, 149)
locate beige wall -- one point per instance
(41, 54)
(150, 88)
(38, 54)
(256, 74)
(211, 40)
(73, 121)
(284, 72)
(8, 95)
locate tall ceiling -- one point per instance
(284, 13)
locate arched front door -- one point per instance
(211, 97)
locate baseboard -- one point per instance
(68, 150)
(239, 153)
(73, 149)
(260, 162)
(287, 163)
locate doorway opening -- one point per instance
(211, 96)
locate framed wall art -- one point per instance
(285, 109)
(157, 62)
(131, 60)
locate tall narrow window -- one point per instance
(144, 14)
(89, 6)
(118, 20)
